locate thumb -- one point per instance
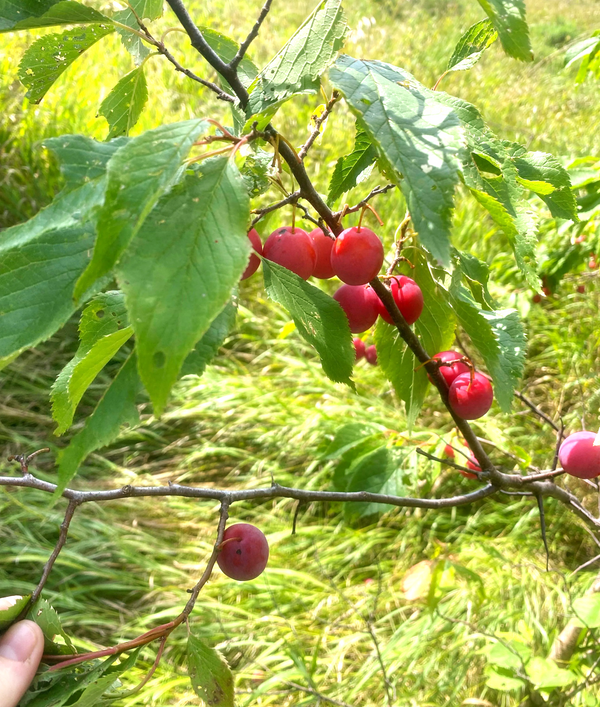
(21, 650)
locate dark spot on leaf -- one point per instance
(159, 359)
(100, 313)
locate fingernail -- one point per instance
(7, 602)
(18, 642)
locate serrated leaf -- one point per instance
(580, 50)
(477, 274)
(66, 396)
(145, 10)
(508, 18)
(298, 66)
(50, 56)
(31, 14)
(378, 472)
(318, 318)
(139, 173)
(471, 46)
(210, 675)
(543, 174)
(181, 267)
(348, 169)
(82, 159)
(586, 611)
(417, 136)
(226, 48)
(545, 674)
(115, 409)
(498, 336)
(351, 443)
(47, 619)
(8, 616)
(208, 346)
(435, 328)
(125, 103)
(491, 175)
(257, 169)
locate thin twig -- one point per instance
(357, 207)
(320, 695)
(291, 199)
(234, 63)
(335, 97)
(386, 682)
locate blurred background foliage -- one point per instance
(392, 609)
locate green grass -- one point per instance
(264, 410)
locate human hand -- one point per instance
(21, 650)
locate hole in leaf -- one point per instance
(100, 313)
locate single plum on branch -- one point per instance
(244, 552)
(357, 255)
(292, 248)
(254, 261)
(371, 355)
(578, 456)
(360, 305)
(473, 464)
(470, 398)
(407, 296)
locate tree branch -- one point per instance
(335, 97)
(234, 63)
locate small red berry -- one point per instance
(371, 355)
(357, 256)
(581, 289)
(254, 261)
(450, 372)
(592, 264)
(449, 451)
(470, 399)
(547, 291)
(359, 304)
(580, 238)
(579, 457)
(408, 297)
(359, 348)
(537, 298)
(473, 464)
(293, 249)
(244, 552)
(322, 245)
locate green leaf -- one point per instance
(139, 173)
(378, 472)
(227, 48)
(351, 443)
(66, 395)
(257, 169)
(125, 103)
(498, 336)
(8, 616)
(47, 619)
(587, 611)
(350, 168)
(502, 679)
(490, 173)
(471, 46)
(299, 65)
(145, 10)
(544, 174)
(508, 17)
(477, 274)
(580, 50)
(318, 318)
(435, 328)
(82, 159)
(115, 409)
(508, 654)
(181, 267)
(545, 674)
(208, 346)
(50, 56)
(210, 675)
(30, 14)
(417, 136)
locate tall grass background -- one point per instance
(330, 616)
